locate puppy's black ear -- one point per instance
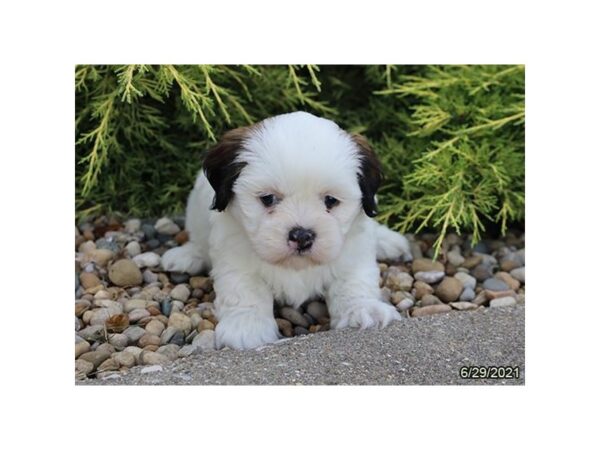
(370, 176)
(222, 169)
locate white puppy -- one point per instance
(282, 212)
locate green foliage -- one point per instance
(451, 138)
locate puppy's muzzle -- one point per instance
(302, 238)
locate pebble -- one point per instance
(149, 231)
(426, 265)
(133, 249)
(152, 369)
(467, 295)
(125, 359)
(81, 348)
(455, 258)
(108, 365)
(152, 244)
(205, 341)
(81, 306)
(398, 280)
(300, 331)
(449, 289)
(152, 358)
(494, 284)
(481, 299)
(205, 324)
(83, 367)
(428, 310)
(187, 350)
(180, 292)
(293, 316)
(430, 277)
(405, 304)
(181, 237)
(87, 247)
(169, 350)
(398, 296)
(148, 339)
(421, 289)
(147, 259)
(497, 294)
(89, 280)
(518, 274)
(482, 272)
(285, 326)
(503, 301)
(463, 306)
(118, 340)
(510, 281)
(132, 226)
(166, 226)
(180, 322)
(125, 273)
(472, 261)
(134, 333)
(204, 283)
(467, 280)
(429, 300)
(179, 277)
(92, 333)
(95, 357)
(318, 310)
(138, 314)
(155, 327)
(166, 306)
(167, 335)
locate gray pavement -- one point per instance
(424, 351)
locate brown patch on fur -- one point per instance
(221, 168)
(371, 177)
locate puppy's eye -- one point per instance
(330, 201)
(268, 200)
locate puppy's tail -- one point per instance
(391, 245)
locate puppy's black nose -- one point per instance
(302, 237)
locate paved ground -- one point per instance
(427, 350)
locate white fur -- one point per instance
(299, 158)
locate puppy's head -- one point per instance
(296, 183)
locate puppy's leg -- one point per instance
(192, 257)
(354, 299)
(244, 307)
(391, 245)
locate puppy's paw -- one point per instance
(392, 245)
(182, 259)
(366, 314)
(244, 330)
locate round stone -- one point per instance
(95, 357)
(151, 358)
(510, 281)
(405, 304)
(83, 368)
(179, 277)
(482, 272)
(205, 325)
(467, 295)
(426, 265)
(148, 339)
(155, 327)
(503, 301)
(133, 248)
(294, 316)
(118, 340)
(124, 359)
(285, 326)
(132, 226)
(518, 274)
(463, 306)
(397, 280)
(429, 300)
(81, 348)
(467, 280)
(165, 225)
(89, 280)
(398, 296)
(125, 273)
(169, 350)
(204, 283)
(449, 289)
(147, 259)
(205, 341)
(455, 258)
(494, 284)
(318, 310)
(138, 314)
(102, 256)
(134, 333)
(429, 310)
(180, 322)
(180, 292)
(421, 289)
(430, 277)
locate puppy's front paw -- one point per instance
(245, 330)
(392, 245)
(182, 259)
(366, 314)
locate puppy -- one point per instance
(283, 212)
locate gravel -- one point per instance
(129, 313)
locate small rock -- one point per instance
(482, 272)
(455, 258)
(179, 277)
(467, 295)
(518, 274)
(135, 303)
(155, 327)
(463, 306)
(125, 273)
(92, 333)
(481, 299)
(405, 304)
(149, 277)
(510, 281)
(89, 280)
(449, 289)
(125, 359)
(132, 226)
(509, 264)
(133, 249)
(167, 335)
(138, 314)
(102, 256)
(497, 294)
(152, 244)
(180, 321)
(293, 316)
(119, 341)
(285, 326)
(426, 265)
(472, 261)
(117, 323)
(398, 296)
(181, 237)
(187, 350)
(166, 306)
(149, 231)
(169, 350)
(503, 301)
(204, 283)
(429, 300)
(147, 259)
(386, 293)
(134, 333)
(166, 226)
(152, 358)
(428, 310)
(205, 325)
(148, 339)
(95, 357)
(318, 310)
(151, 369)
(421, 289)
(467, 280)
(398, 280)
(205, 341)
(109, 365)
(431, 277)
(83, 368)
(178, 338)
(180, 292)
(494, 284)
(81, 348)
